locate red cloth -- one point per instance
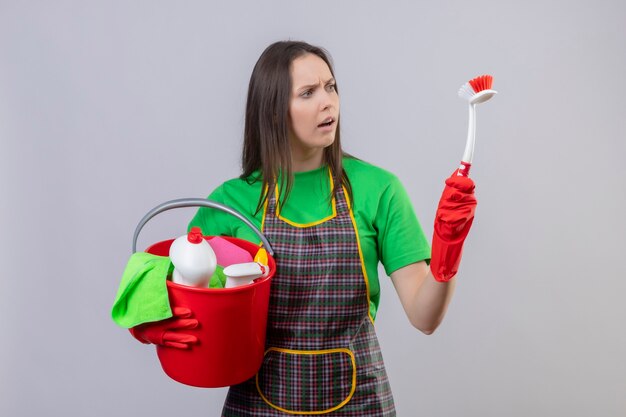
(167, 332)
(453, 221)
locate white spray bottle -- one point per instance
(193, 258)
(245, 273)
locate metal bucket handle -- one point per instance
(197, 202)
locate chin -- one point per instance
(327, 141)
(321, 143)
(316, 142)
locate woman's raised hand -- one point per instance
(453, 221)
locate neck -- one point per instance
(307, 161)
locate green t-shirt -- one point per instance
(387, 227)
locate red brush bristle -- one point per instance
(480, 83)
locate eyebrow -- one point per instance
(330, 80)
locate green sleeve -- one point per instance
(401, 240)
(213, 222)
(239, 196)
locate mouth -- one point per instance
(327, 122)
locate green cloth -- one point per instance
(388, 228)
(142, 294)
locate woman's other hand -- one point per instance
(168, 332)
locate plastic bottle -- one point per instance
(193, 258)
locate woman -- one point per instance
(330, 218)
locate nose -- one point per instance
(329, 100)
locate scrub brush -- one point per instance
(475, 91)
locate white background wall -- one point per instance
(108, 108)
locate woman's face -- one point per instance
(313, 107)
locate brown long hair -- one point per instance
(266, 144)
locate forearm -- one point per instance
(430, 303)
(424, 300)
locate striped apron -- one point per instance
(322, 353)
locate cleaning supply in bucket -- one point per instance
(227, 253)
(193, 258)
(261, 256)
(244, 274)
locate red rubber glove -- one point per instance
(453, 220)
(166, 332)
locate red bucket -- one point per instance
(232, 321)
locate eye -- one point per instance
(331, 87)
(307, 93)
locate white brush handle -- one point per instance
(468, 155)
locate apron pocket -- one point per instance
(307, 382)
